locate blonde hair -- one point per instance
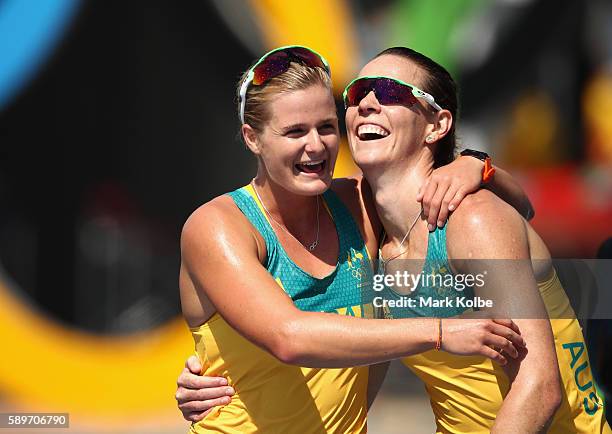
(296, 77)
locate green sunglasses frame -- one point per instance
(416, 92)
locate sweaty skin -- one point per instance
(194, 287)
(483, 226)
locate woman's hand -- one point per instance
(197, 395)
(480, 336)
(444, 190)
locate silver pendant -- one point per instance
(313, 245)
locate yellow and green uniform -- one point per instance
(273, 397)
(466, 393)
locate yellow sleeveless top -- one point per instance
(273, 397)
(467, 392)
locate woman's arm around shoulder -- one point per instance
(221, 258)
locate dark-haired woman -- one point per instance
(550, 388)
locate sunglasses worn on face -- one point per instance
(388, 91)
(277, 61)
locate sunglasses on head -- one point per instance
(274, 63)
(388, 91)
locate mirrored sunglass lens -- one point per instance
(391, 92)
(358, 91)
(307, 56)
(273, 65)
(278, 62)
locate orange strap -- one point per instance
(487, 171)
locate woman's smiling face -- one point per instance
(381, 133)
(299, 144)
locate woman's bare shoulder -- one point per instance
(216, 222)
(484, 226)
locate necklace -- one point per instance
(384, 261)
(283, 227)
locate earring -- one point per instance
(429, 139)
